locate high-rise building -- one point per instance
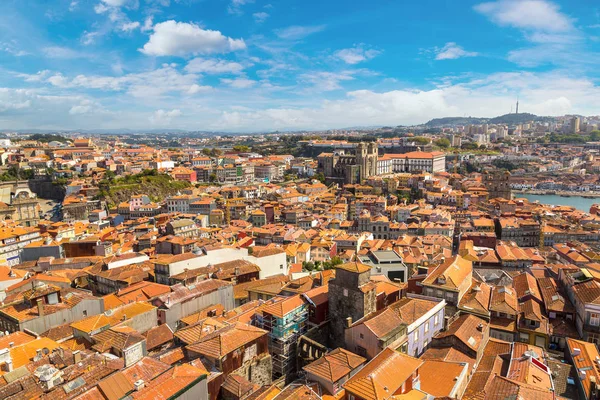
(574, 127)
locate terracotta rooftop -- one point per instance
(438, 378)
(383, 376)
(354, 266)
(226, 340)
(335, 365)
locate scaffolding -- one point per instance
(283, 340)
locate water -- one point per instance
(580, 203)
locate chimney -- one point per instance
(8, 365)
(237, 271)
(138, 385)
(76, 356)
(480, 327)
(40, 306)
(348, 322)
(11, 344)
(38, 355)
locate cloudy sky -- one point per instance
(263, 65)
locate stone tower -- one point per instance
(366, 159)
(352, 295)
(498, 184)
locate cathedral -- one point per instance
(341, 167)
(498, 184)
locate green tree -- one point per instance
(320, 177)
(443, 143)
(421, 140)
(308, 266)
(335, 260)
(469, 146)
(212, 177)
(241, 148)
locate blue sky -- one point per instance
(259, 65)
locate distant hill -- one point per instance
(510, 119)
(507, 119)
(452, 121)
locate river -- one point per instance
(580, 203)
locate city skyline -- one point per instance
(247, 66)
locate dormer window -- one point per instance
(441, 280)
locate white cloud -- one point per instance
(11, 49)
(213, 66)
(101, 8)
(551, 93)
(14, 100)
(195, 89)
(162, 117)
(62, 52)
(58, 80)
(541, 94)
(171, 38)
(260, 17)
(452, 51)
(356, 54)
(115, 3)
(130, 26)
(239, 83)
(235, 7)
(298, 32)
(147, 24)
(326, 81)
(553, 37)
(37, 77)
(85, 107)
(526, 14)
(150, 84)
(73, 5)
(88, 38)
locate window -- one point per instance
(416, 336)
(436, 319)
(524, 337)
(427, 327)
(85, 313)
(595, 319)
(362, 336)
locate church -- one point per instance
(351, 166)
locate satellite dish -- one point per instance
(45, 351)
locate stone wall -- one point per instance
(258, 370)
